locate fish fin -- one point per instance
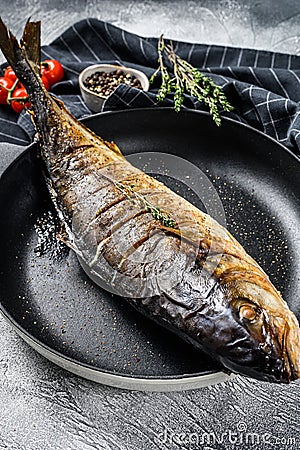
(65, 234)
(9, 44)
(66, 237)
(24, 57)
(31, 43)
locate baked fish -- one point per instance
(173, 262)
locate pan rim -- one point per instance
(132, 382)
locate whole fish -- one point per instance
(171, 261)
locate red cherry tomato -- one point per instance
(45, 82)
(9, 73)
(53, 70)
(5, 83)
(19, 106)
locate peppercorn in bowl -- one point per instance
(98, 81)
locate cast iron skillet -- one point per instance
(58, 310)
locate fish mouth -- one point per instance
(276, 370)
(275, 359)
(290, 348)
(279, 355)
(283, 355)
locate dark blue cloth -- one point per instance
(263, 87)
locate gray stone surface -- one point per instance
(44, 407)
(264, 24)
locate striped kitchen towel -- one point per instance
(264, 87)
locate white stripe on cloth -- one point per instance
(206, 55)
(295, 75)
(223, 57)
(176, 47)
(240, 57)
(270, 115)
(140, 93)
(191, 52)
(280, 119)
(273, 60)
(109, 34)
(215, 76)
(102, 40)
(297, 132)
(262, 103)
(279, 83)
(79, 102)
(83, 104)
(286, 107)
(289, 62)
(134, 97)
(76, 72)
(69, 48)
(85, 43)
(255, 76)
(125, 41)
(254, 108)
(232, 72)
(8, 121)
(246, 89)
(142, 49)
(13, 137)
(256, 58)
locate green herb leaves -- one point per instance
(156, 212)
(164, 218)
(188, 79)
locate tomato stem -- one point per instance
(10, 91)
(19, 99)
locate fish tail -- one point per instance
(49, 114)
(31, 42)
(24, 57)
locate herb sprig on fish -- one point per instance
(188, 79)
(155, 211)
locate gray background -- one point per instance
(44, 407)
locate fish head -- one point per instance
(267, 344)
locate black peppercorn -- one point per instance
(104, 83)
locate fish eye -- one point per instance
(249, 312)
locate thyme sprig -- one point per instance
(155, 211)
(187, 79)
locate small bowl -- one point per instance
(95, 101)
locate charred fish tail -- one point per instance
(24, 57)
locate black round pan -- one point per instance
(58, 310)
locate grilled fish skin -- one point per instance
(193, 277)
